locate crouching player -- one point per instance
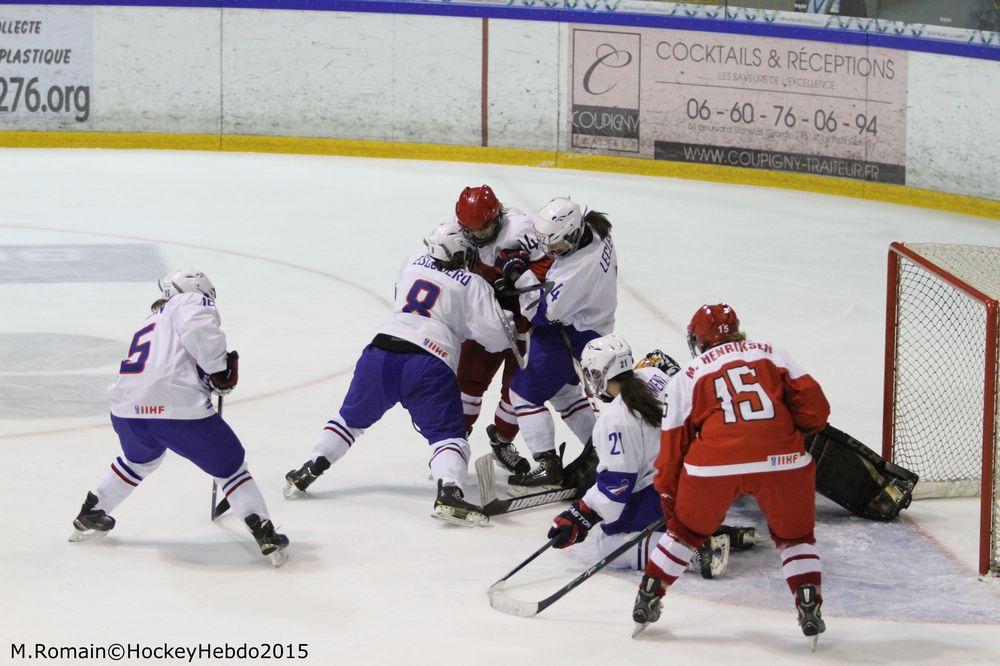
(734, 422)
(162, 400)
(439, 303)
(627, 440)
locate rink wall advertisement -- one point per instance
(46, 70)
(670, 98)
(752, 102)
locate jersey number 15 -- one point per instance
(755, 406)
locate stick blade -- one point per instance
(486, 479)
(499, 600)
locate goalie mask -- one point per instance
(450, 248)
(602, 360)
(184, 281)
(712, 325)
(559, 225)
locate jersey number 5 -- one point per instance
(139, 364)
(421, 298)
(756, 406)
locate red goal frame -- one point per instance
(897, 250)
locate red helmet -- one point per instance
(712, 325)
(478, 212)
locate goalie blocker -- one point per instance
(857, 478)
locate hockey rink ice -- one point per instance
(303, 252)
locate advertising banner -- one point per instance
(46, 67)
(743, 101)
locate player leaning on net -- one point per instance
(438, 303)
(162, 400)
(627, 441)
(734, 422)
(580, 307)
(507, 245)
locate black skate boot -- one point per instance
(547, 476)
(91, 521)
(807, 601)
(272, 545)
(505, 453)
(647, 603)
(451, 507)
(299, 479)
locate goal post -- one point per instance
(940, 406)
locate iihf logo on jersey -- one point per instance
(150, 409)
(436, 348)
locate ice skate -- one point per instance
(297, 480)
(90, 521)
(505, 454)
(547, 476)
(451, 507)
(807, 602)
(647, 604)
(272, 545)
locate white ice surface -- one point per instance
(303, 251)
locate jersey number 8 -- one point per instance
(421, 298)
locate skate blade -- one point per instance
(447, 514)
(86, 535)
(278, 558)
(812, 643)
(291, 492)
(639, 628)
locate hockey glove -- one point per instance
(224, 381)
(571, 526)
(660, 360)
(512, 264)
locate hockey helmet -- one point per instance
(712, 325)
(602, 360)
(559, 225)
(478, 212)
(184, 281)
(449, 246)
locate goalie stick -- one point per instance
(505, 604)
(493, 506)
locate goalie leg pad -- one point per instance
(857, 478)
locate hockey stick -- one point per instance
(591, 398)
(510, 606)
(493, 506)
(215, 513)
(548, 544)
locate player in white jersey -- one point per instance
(162, 400)
(627, 441)
(412, 360)
(580, 307)
(507, 244)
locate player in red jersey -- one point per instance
(508, 247)
(734, 422)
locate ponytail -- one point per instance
(598, 222)
(639, 398)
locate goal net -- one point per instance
(941, 416)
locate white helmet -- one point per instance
(559, 225)
(604, 359)
(448, 245)
(186, 280)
